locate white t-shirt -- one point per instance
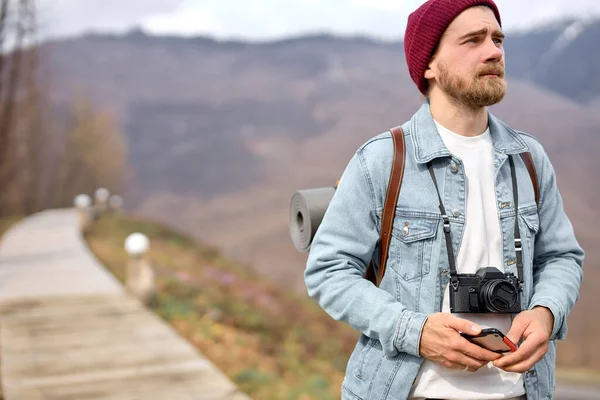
(481, 247)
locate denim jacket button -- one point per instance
(531, 373)
(444, 272)
(456, 213)
(454, 168)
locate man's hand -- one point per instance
(535, 326)
(441, 343)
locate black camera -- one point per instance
(487, 291)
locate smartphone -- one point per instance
(493, 340)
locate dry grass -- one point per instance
(272, 343)
(7, 222)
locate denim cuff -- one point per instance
(408, 333)
(559, 330)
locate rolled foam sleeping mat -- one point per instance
(307, 208)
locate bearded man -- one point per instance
(479, 238)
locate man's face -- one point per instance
(469, 63)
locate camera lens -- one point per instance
(498, 295)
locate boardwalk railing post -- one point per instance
(115, 202)
(83, 203)
(101, 201)
(139, 274)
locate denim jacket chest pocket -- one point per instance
(529, 225)
(412, 244)
(528, 231)
(531, 218)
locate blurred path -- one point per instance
(69, 330)
(45, 255)
(576, 391)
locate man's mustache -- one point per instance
(492, 70)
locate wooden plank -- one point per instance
(96, 347)
(166, 385)
(68, 329)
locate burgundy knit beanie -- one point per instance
(425, 28)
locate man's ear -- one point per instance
(429, 74)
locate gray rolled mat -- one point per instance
(307, 208)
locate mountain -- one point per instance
(221, 133)
(559, 57)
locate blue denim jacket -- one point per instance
(390, 318)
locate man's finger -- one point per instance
(526, 364)
(527, 348)
(463, 325)
(463, 361)
(478, 352)
(517, 328)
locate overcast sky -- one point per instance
(270, 19)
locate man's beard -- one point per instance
(477, 92)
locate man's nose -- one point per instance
(493, 51)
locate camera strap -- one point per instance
(450, 249)
(451, 259)
(518, 245)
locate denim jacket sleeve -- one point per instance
(558, 258)
(340, 253)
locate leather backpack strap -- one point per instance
(391, 199)
(528, 160)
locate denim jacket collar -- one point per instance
(428, 143)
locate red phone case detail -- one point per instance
(510, 344)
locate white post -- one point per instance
(101, 201)
(83, 203)
(115, 202)
(139, 274)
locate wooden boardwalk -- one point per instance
(68, 330)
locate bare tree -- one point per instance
(35, 138)
(95, 154)
(16, 23)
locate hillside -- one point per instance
(273, 344)
(221, 134)
(207, 116)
